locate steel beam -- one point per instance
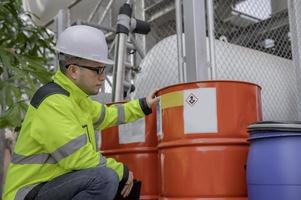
(195, 40)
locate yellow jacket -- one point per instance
(57, 135)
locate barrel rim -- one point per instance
(259, 135)
(187, 142)
(209, 81)
(282, 126)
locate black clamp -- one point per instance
(126, 23)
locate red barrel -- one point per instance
(203, 139)
(141, 157)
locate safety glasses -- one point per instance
(98, 70)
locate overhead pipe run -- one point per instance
(105, 11)
(94, 11)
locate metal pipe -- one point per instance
(74, 4)
(154, 5)
(178, 5)
(210, 22)
(118, 72)
(161, 13)
(105, 28)
(137, 47)
(109, 81)
(128, 71)
(69, 7)
(139, 13)
(130, 46)
(112, 46)
(105, 12)
(129, 65)
(61, 21)
(94, 11)
(110, 36)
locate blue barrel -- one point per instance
(274, 161)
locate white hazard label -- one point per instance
(132, 132)
(200, 111)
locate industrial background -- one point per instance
(244, 40)
(256, 41)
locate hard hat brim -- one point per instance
(103, 61)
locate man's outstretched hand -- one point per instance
(151, 98)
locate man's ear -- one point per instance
(73, 72)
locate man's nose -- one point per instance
(102, 76)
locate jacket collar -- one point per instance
(68, 85)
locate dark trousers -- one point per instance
(99, 183)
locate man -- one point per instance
(55, 156)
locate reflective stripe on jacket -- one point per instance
(57, 135)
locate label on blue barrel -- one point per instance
(200, 111)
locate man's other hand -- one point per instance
(128, 185)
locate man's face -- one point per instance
(88, 76)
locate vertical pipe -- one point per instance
(61, 21)
(137, 47)
(118, 72)
(210, 22)
(180, 40)
(122, 31)
(197, 67)
(132, 61)
(295, 28)
(128, 71)
(139, 13)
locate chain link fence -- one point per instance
(260, 25)
(254, 44)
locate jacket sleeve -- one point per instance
(106, 116)
(120, 168)
(56, 127)
(116, 114)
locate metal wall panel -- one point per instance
(295, 19)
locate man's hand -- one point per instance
(128, 185)
(152, 98)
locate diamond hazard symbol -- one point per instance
(191, 99)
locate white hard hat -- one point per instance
(84, 42)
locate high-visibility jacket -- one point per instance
(57, 135)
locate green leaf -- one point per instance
(13, 116)
(24, 53)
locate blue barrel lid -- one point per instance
(282, 126)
